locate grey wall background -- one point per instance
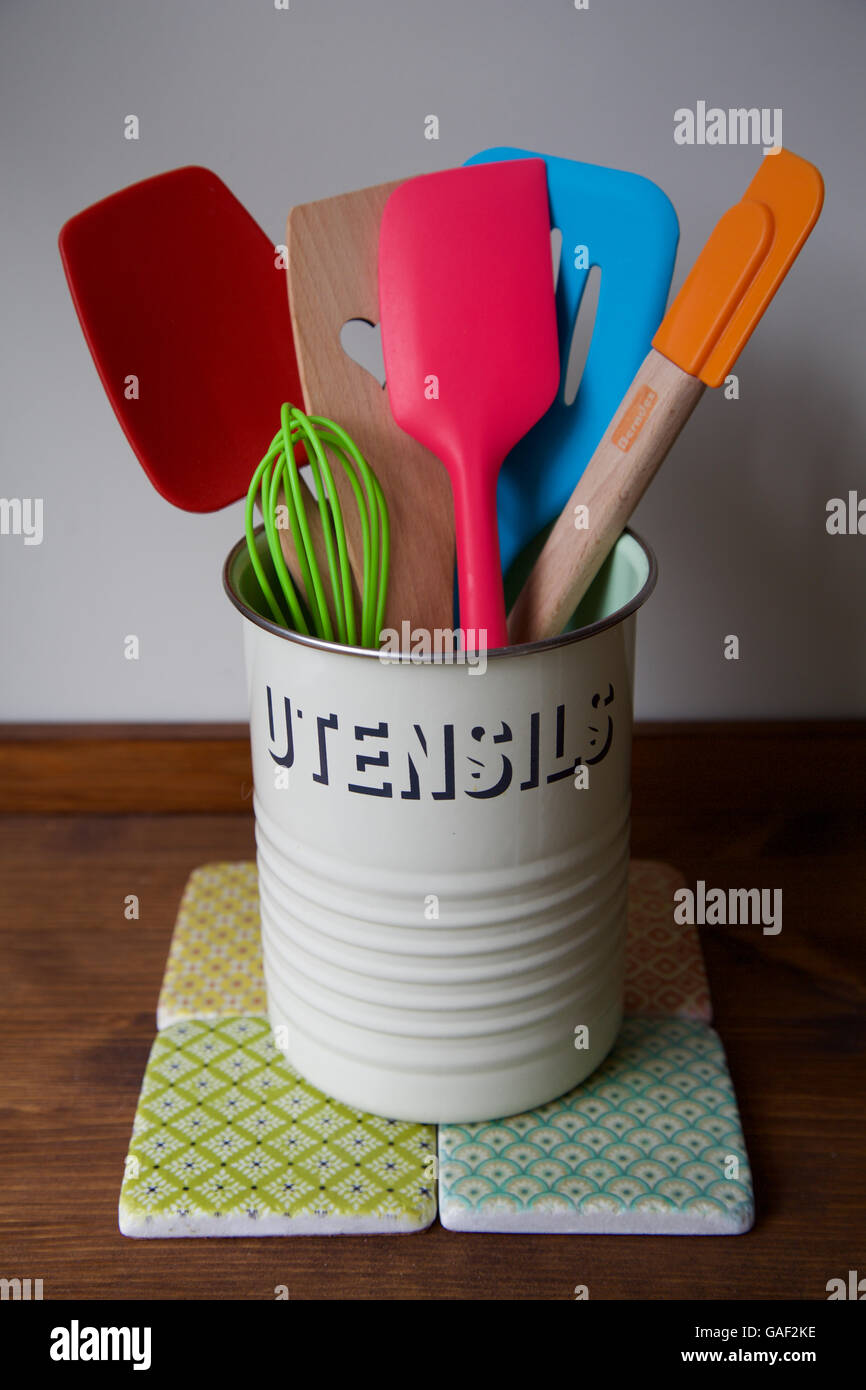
(291, 106)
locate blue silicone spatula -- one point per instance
(630, 231)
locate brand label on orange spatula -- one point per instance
(635, 417)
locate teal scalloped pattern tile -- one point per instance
(650, 1144)
(229, 1140)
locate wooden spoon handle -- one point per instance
(653, 411)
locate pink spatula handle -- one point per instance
(479, 571)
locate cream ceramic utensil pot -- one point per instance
(443, 856)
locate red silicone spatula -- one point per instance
(182, 302)
(469, 339)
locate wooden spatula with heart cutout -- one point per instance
(332, 278)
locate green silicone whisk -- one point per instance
(279, 467)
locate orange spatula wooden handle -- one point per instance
(659, 401)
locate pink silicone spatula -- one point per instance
(469, 339)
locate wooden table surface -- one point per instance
(91, 815)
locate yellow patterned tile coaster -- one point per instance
(214, 966)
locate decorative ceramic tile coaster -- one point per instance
(650, 1144)
(228, 1140)
(664, 967)
(214, 967)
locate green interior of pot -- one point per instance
(242, 579)
(620, 579)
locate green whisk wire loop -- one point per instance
(259, 480)
(375, 529)
(325, 605)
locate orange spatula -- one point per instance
(733, 280)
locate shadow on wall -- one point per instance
(747, 496)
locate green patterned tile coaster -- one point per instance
(650, 1144)
(229, 1140)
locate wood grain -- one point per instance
(124, 769)
(174, 768)
(333, 277)
(610, 487)
(78, 1020)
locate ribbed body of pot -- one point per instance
(443, 864)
